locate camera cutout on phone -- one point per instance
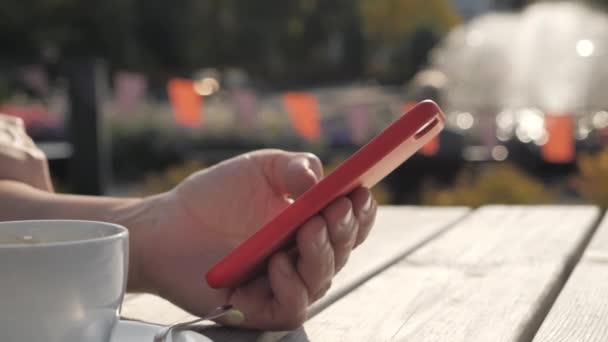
(426, 128)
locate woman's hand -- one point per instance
(20, 159)
(179, 235)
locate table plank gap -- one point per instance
(580, 312)
(489, 278)
(545, 307)
(345, 287)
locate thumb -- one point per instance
(292, 173)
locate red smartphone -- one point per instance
(366, 168)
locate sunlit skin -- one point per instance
(20, 159)
(213, 210)
(175, 237)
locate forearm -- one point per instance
(23, 202)
(20, 201)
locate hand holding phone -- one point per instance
(366, 167)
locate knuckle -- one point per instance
(347, 244)
(337, 211)
(343, 242)
(317, 221)
(344, 238)
(305, 233)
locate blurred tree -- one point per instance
(494, 184)
(392, 20)
(31, 28)
(400, 33)
(591, 181)
(286, 40)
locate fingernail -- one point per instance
(285, 267)
(235, 317)
(348, 218)
(301, 168)
(300, 163)
(368, 204)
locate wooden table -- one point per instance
(498, 273)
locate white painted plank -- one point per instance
(152, 309)
(511, 234)
(580, 313)
(490, 278)
(398, 231)
(409, 303)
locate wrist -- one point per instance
(139, 216)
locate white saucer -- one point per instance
(128, 331)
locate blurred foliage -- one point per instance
(286, 41)
(392, 20)
(139, 147)
(495, 184)
(281, 40)
(592, 180)
(155, 183)
(4, 91)
(35, 27)
(400, 33)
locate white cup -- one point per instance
(61, 281)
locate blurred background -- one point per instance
(129, 96)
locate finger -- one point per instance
(316, 264)
(26, 141)
(364, 207)
(298, 176)
(288, 308)
(13, 135)
(290, 173)
(342, 226)
(248, 299)
(11, 120)
(277, 300)
(298, 172)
